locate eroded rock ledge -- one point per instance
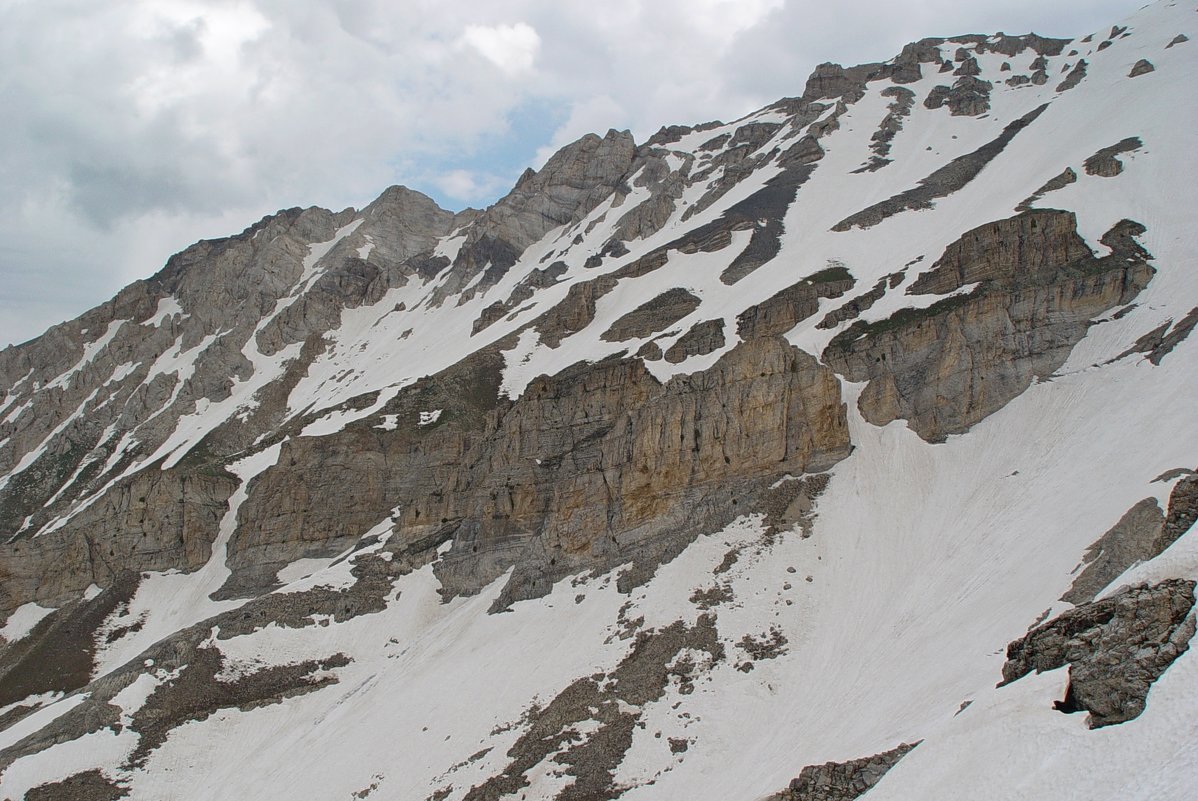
(1026, 289)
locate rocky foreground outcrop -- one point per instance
(1115, 647)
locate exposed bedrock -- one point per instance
(1115, 647)
(702, 338)
(842, 781)
(652, 316)
(1105, 162)
(155, 520)
(596, 466)
(788, 307)
(945, 367)
(166, 346)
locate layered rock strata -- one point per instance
(1025, 290)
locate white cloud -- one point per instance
(588, 115)
(512, 48)
(468, 186)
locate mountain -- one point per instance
(847, 447)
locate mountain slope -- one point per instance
(685, 469)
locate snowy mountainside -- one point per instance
(844, 448)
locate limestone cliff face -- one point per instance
(154, 521)
(284, 462)
(586, 469)
(1031, 287)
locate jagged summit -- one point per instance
(841, 448)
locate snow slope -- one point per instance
(923, 560)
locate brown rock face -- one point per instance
(1105, 162)
(701, 339)
(596, 466)
(945, 367)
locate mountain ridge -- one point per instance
(295, 475)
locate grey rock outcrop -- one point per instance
(790, 306)
(842, 781)
(1105, 164)
(892, 123)
(652, 316)
(1074, 77)
(853, 308)
(701, 339)
(1066, 177)
(1130, 540)
(612, 701)
(969, 96)
(90, 785)
(1141, 67)
(1115, 648)
(1143, 533)
(1160, 342)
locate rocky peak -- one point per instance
(572, 183)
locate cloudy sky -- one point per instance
(135, 127)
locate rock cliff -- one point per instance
(691, 468)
